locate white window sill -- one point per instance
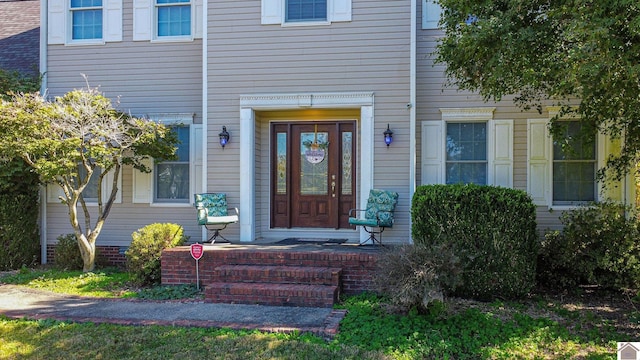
(305, 23)
(171, 204)
(85, 42)
(172, 39)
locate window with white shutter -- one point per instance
(292, 12)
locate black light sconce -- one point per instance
(388, 136)
(224, 137)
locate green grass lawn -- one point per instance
(532, 329)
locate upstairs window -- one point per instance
(173, 17)
(86, 20)
(574, 167)
(305, 10)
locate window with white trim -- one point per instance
(466, 153)
(173, 17)
(175, 181)
(84, 22)
(574, 167)
(90, 192)
(467, 146)
(86, 19)
(305, 12)
(171, 178)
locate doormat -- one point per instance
(315, 241)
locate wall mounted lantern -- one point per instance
(224, 137)
(388, 136)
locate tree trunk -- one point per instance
(88, 252)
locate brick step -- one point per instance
(272, 294)
(279, 274)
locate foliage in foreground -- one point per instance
(145, 251)
(491, 229)
(470, 333)
(598, 246)
(77, 137)
(571, 52)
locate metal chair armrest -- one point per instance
(355, 210)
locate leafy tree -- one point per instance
(67, 139)
(16, 82)
(555, 51)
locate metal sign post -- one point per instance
(197, 250)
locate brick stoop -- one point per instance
(274, 275)
(276, 285)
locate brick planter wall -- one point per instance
(358, 265)
(107, 255)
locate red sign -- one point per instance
(197, 250)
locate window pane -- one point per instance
(183, 146)
(314, 172)
(90, 192)
(172, 177)
(85, 3)
(306, 10)
(87, 24)
(281, 153)
(574, 168)
(347, 161)
(466, 148)
(466, 173)
(172, 181)
(174, 20)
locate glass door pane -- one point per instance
(314, 172)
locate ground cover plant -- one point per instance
(547, 326)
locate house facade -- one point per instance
(286, 76)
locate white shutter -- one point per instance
(432, 152)
(107, 185)
(538, 173)
(430, 14)
(502, 153)
(113, 20)
(198, 14)
(142, 24)
(56, 25)
(196, 158)
(54, 192)
(340, 10)
(142, 185)
(272, 11)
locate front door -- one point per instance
(313, 177)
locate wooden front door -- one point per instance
(312, 173)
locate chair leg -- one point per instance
(216, 234)
(372, 236)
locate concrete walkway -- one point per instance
(20, 302)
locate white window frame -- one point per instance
(273, 13)
(86, 8)
(540, 165)
(499, 145)
(156, 35)
(430, 14)
(144, 183)
(145, 22)
(60, 22)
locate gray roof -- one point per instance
(20, 35)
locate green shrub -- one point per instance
(67, 254)
(413, 276)
(491, 229)
(19, 214)
(599, 245)
(143, 256)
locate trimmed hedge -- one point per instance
(492, 230)
(19, 235)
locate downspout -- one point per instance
(43, 88)
(412, 107)
(205, 102)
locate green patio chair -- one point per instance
(214, 214)
(381, 205)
